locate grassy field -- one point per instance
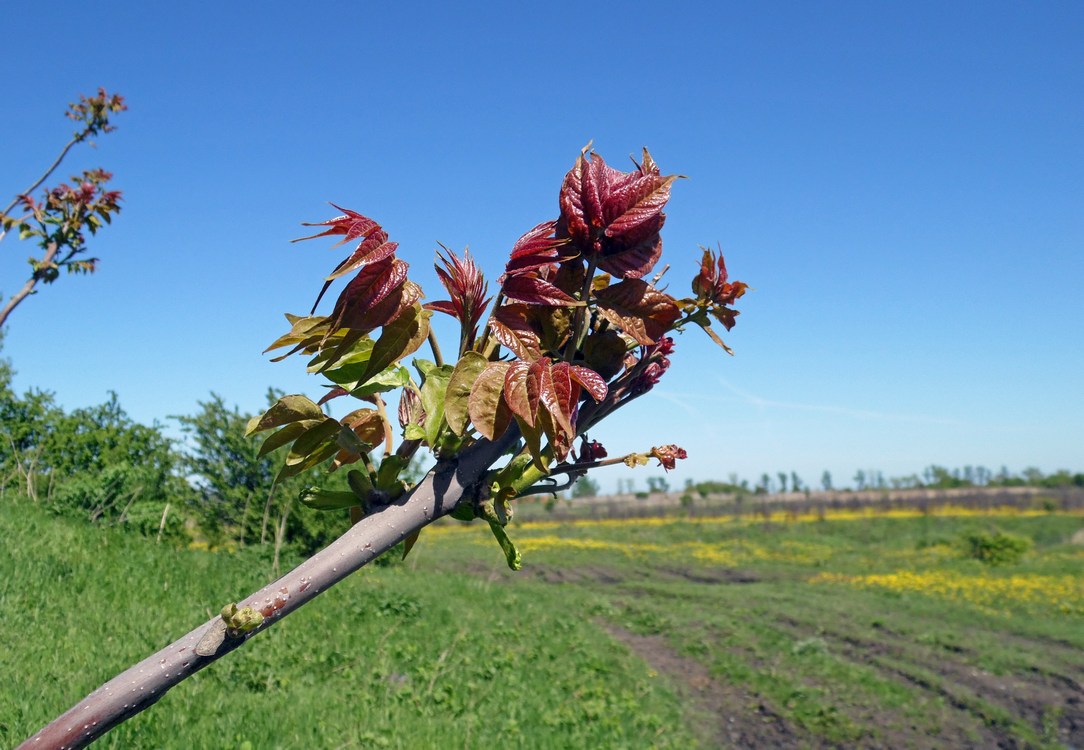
(857, 629)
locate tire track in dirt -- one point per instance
(724, 715)
(1047, 703)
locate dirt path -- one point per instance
(724, 715)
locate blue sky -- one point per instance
(901, 184)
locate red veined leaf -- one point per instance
(372, 284)
(510, 327)
(632, 261)
(726, 316)
(638, 309)
(374, 249)
(466, 287)
(351, 225)
(560, 439)
(379, 298)
(521, 395)
(556, 392)
(536, 291)
(537, 248)
(591, 381)
(614, 216)
(637, 204)
(444, 306)
(488, 411)
(410, 408)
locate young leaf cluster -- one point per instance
(578, 328)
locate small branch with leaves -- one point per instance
(59, 220)
(575, 333)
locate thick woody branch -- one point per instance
(145, 683)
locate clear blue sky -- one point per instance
(901, 183)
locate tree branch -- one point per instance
(145, 683)
(28, 287)
(63, 152)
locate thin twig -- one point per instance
(435, 346)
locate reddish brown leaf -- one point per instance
(639, 309)
(510, 327)
(467, 288)
(556, 392)
(591, 381)
(613, 216)
(535, 291)
(488, 411)
(351, 225)
(374, 249)
(537, 248)
(410, 408)
(520, 393)
(336, 392)
(367, 424)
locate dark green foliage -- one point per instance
(585, 487)
(96, 464)
(995, 548)
(237, 497)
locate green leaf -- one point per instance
(399, 338)
(394, 377)
(511, 554)
(457, 399)
(313, 440)
(413, 432)
(350, 367)
(317, 457)
(433, 390)
(423, 366)
(532, 436)
(287, 434)
(387, 476)
(302, 330)
(319, 499)
(410, 541)
(360, 484)
(294, 408)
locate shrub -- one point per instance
(996, 548)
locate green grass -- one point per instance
(393, 657)
(761, 623)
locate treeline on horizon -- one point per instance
(215, 488)
(932, 477)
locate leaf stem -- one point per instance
(435, 346)
(579, 326)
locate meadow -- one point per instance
(844, 629)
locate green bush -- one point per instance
(996, 548)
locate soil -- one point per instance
(968, 707)
(724, 715)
